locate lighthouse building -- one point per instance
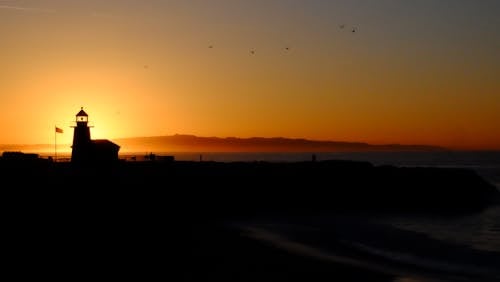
(86, 150)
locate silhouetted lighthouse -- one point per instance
(81, 138)
(85, 150)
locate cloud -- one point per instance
(26, 9)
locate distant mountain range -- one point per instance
(185, 143)
(191, 143)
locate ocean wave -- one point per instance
(429, 263)
(375, 258)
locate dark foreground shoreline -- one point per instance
(253, 187)
(147, 219)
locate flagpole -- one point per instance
(55, 144)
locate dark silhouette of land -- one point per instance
(256, 144)
(168, 218)
(191, 143)
(254, 187)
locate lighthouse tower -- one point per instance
(82, 145)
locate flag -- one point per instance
(58, 130)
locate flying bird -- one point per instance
(252, 52)
(354, 29)
(342, 26)
(287, 48)
(210, 46)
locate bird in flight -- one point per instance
(210, 46)
(342, 26)
(252, 52)
(287, 48)
(354, 29)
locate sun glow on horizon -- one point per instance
(244, 69)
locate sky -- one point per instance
(412, 72)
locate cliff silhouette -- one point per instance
(222, 188)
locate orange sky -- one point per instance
(412, 73)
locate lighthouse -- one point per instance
(81, 138)
(86, 150)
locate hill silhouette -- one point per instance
(192, 143)
(180, 142)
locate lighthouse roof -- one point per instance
(82, 113)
